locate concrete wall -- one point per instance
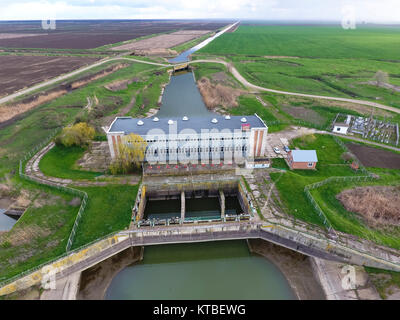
(303, 242)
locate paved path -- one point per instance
(246, 83)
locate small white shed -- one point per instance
(341, 128)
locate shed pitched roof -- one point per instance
(304, 156)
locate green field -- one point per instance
(317, 60)
(347, 78)
(309, 41)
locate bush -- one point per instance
(100, 137)
(79, 134)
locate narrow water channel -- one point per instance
(184, 56)
(182, 98)
(211, 270)
(6, 223)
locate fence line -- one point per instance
(83, 195)
(368, 177)
(345, 149)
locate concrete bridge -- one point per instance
(307, 244)
(181, 66)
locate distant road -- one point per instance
(71, 74)
(242, 80)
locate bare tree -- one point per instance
(381, 78)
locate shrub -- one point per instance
(79, 135)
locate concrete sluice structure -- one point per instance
(195, 202)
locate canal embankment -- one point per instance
(295, 267)
(95, 281)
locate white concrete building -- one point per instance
(228, 139)
(341, 128)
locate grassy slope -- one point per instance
(108, 210)
(55, 218)
(349, 222)
(60, 162)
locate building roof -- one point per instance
(129, 125)
(304, 156)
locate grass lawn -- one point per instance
(108, 210)
(249, 105)
(291, 184)
(60, 162)
(279, 163)
(41, 234)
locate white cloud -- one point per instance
(369, 10)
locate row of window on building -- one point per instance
(196, 150)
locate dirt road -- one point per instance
(249, 85)
(232, 69)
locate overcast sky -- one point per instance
(330, 10)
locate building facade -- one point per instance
(213, 139)
(302, 159)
